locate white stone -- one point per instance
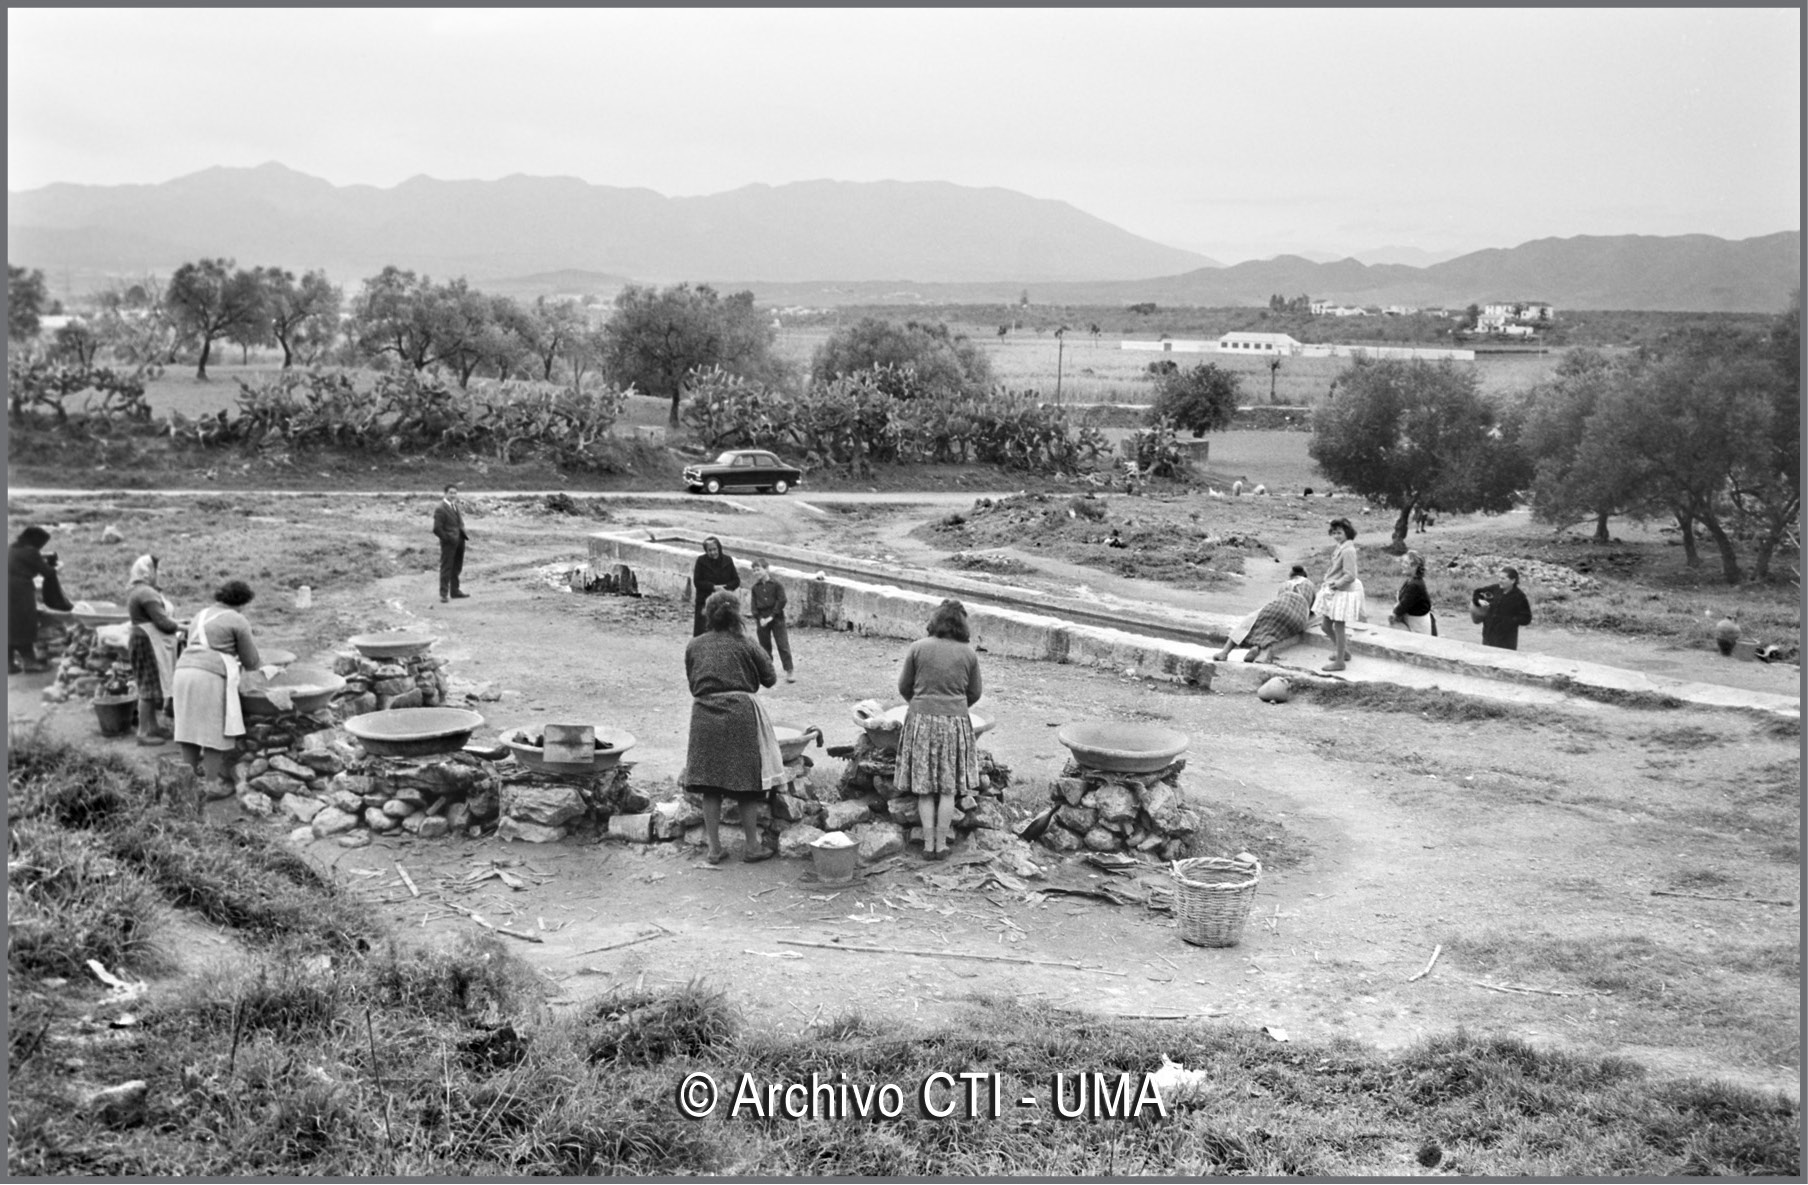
(512, 828)
(301, 808)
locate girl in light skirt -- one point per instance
(1340, 597)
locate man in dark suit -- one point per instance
(449, 527)
(1503, 610)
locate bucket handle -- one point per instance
(817, 731)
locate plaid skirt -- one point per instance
(937, 755)
(144, 667)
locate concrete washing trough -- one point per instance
(309, 688)
(414, 732)
(527, 747)
(392, 644)
(1117, 747)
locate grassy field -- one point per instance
(332, 1046)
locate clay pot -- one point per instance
(1276, 691)
(1726, 634)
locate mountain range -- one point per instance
(817, 242)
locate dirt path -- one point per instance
(1527, 850)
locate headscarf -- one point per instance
(144, 571)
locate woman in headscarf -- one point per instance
(937, 756)
(153, 647)
(1285, 616)
(733, 750)
(206, 683)
(25, 562)
(713, 570)
(1412, 608)
(1340, 596)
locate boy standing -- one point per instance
(769, 616)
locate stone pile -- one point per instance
(873, 811)
(545, 808)
(376, 685)
(84, 663)
(1104, 811)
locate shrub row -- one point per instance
(853, 421)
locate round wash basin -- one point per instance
(526, 745)
(310, 689)
(792, 740)
(391, 644)
(95, 614)
(1122, 748)
(275, 656)
(414, 732)
(885, 729)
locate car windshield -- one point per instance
(725, 459)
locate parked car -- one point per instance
(743, 467)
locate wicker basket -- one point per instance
(1212, 896)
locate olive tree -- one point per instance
(1411, 434)
(912, 359)
(657, 337)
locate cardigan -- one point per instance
(940, 677)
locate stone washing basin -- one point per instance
(885, 729)
(414, 732)
(524, 744)
(309, 688)
(792, 740)
(392, 644)
(95, 614)
(1118, 747)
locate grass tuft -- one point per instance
(1431, 703)
(645, 1028)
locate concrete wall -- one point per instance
(663, 568)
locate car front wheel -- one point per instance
(712, 486)
(779, 487)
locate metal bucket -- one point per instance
(834, 866)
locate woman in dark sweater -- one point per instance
(714, 569)
(1412, 608)
(937, 757)
(733, 749)
(25, 562)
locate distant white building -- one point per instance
(1495, 318)
(1242, 341)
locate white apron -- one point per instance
(197, 637)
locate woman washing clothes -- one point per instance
(153, 648)
(1285, 616)
(733, 749)
(937, 756)
(26, 563)
(221, 653)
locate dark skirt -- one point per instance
(144, 667)
(725, 745)
(21, 616)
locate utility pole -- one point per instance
(1060, 347)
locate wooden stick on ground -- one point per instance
(407, 880)
(1716, 897)
(489, 925)
(1523, 990)
(947, 954)
(1435, 952)
(1160, 1015)
(597, 950)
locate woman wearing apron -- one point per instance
(206, 684)
(153, 648)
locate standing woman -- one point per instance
(25, 562)
(206, 684)
(153, 647)
(937, 758)
(1412, 608)
(714, 569)
(733, 750)
(1340, 593)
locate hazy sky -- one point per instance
(1238, 133)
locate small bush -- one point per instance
(646, 1028)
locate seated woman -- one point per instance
(1282, 619)
(733, 750)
